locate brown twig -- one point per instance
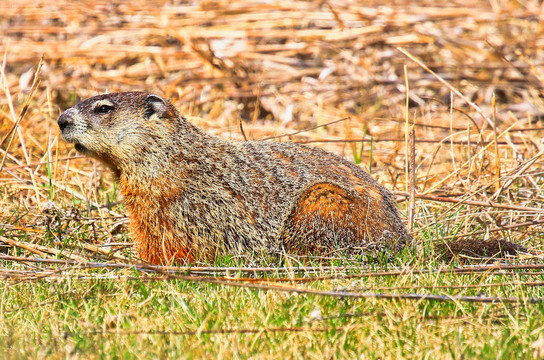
(162, 270)
(23, 111)
(306, 129)
(472, 202)
(412, 181)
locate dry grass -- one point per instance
(467, 78)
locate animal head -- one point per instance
(117, 128)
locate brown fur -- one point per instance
(194, 196)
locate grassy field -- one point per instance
(352, 77)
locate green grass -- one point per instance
(122, 314)
(129, 314)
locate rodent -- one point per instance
(193, 196)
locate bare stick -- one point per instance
(242, 129)
(307, 129)
(497, 157)
(412, 180)
(472, 202)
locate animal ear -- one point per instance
(155, 105)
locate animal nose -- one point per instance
(64, 120)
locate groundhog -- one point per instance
(193, 196)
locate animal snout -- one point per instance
(65, 120)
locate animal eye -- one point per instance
(103, 109)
